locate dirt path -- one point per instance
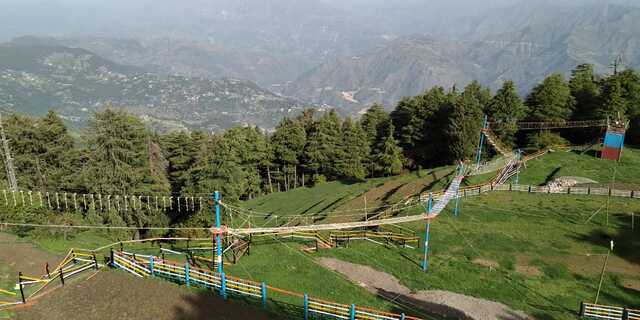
(21, 255)
(117, 295)
(444, 303)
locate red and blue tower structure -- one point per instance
(614, 140)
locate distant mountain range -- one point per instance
(174, 61)
(524, 43)
(76, 82)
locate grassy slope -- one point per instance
(544, 233)
(570, 163)
(548, 233)
(526, 233)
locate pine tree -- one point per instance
(180, 150)
(585, 91)
(322, 143)
(505, 110)
(464, 124)
(375, 122)
(122, 159)
(353, 151)
(119, 156)
(612, 102)
(288, 143)
(551, 100)
(420, 123)
(389, 161)
(483, 95)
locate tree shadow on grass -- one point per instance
(209, 305)
(626, 241)
(551, 176)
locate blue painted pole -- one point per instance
(223, 285)
(186, 274)
(353, 312)
(402, 316)
(306, 307)
(151, 266)
(216, 197)
(264, 296)
(425, 262)
(479, 153)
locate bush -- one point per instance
(545, 140)
(319, 179)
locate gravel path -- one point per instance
(440, 302)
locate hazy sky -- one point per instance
(123, 17)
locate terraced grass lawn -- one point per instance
(333, 201)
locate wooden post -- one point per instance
(46, 268)
(21, 289)
(61, 276)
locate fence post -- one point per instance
(61, 276)
(589, 190)
(529, 189)
(112, 262)
(151, 266)
(223, 285)
(21, 290)
(46, 268)
(353, 311)
(582, 309)
(186, 274)
(625, 314)
(306, 307)
(95, 261)
(402, 316)
(264, 296)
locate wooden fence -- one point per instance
(147, 265)
(597, 311)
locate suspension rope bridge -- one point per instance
(527, 125)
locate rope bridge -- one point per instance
(554, 124)
(451, 192)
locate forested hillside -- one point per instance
(118, 153)
(76, 82)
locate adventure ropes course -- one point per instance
(237, 239)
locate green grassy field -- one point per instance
(562, 163)
(538, 248)
(545, 257)
(570, 163)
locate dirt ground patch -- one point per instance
(439, 302)
(593, 264)
(21, 255)
(531, 271)
(116, 295)
(633, 284)
(486, 262)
